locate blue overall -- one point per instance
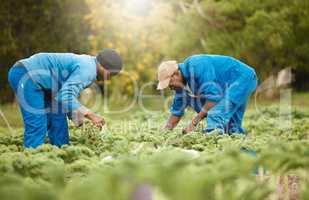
(219, 79)
(47, 86)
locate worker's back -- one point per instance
(51, 70)
(227, 69)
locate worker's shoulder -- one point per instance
(77, 59)
(209, 56)
(53, 54)
(223, 59)
(86, 65)
(64, 55)
(196, 56)
(198, 59)
(85, 60)
(213, 59)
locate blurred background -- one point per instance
(271, 36)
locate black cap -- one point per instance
(110, 60)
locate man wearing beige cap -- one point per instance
(216, 87)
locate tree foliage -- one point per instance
(139, 35)
(28, 27)
(268, 35)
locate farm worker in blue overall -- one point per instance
(47, 86)
(216, 87)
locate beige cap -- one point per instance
(165, 72)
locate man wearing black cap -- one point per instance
(47, 86)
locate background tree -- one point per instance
(269, 35)
(28, 27)
(139, 30)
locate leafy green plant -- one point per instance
(110, 164)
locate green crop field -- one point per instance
(110, 56)
(135, 159)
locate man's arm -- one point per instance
(68, 94)
(78, 116)
(205, 78)
(172, 122)
(95, 119)
(177, 109)
(199, 117)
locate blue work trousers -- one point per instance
(227, 116)
(40, 113)
(224, 116)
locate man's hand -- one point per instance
(189, 128)
(193, 124)
(96, 119)
(200, 116)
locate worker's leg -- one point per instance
(58, 133)
(235, 124)
(220, 115)
(31, 101)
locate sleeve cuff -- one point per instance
(83, 110)
(78, 115)
(177, 113)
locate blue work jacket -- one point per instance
(210, 78)
(64, 74)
